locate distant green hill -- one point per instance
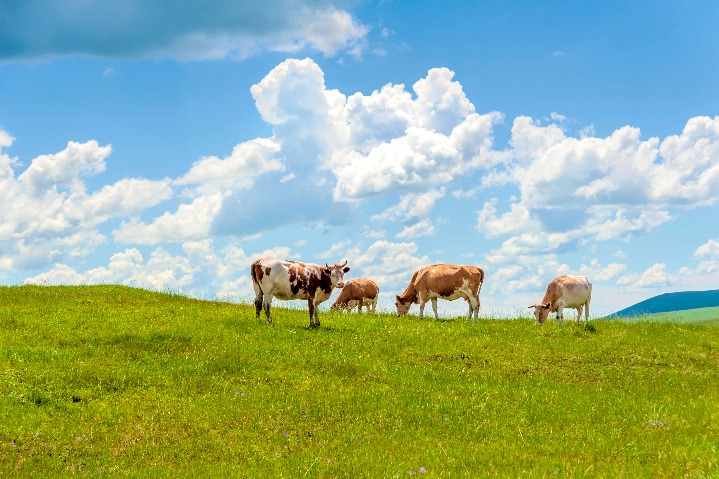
(668, 302)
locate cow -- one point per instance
(446, 281)
(357, 292)
(287, 280)
(565, 292)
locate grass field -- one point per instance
(685, 316)
(120, 382)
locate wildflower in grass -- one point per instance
(12, 443)
(277, 454)
(37, 433)
(243, 395)
(422, 470)
(287, 434)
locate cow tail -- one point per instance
(255, 281)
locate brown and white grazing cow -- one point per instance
(565, 292)
(287, 280)
(357, 293)
(446, 281)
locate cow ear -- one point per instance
(546, 306)
(346, 269)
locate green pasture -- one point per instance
(685, 316)
(120, 382)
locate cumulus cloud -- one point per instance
(656, 276)
(199, 270)
(710, 248)
(390, 264)
(423, 227)
(187, 31)
(411, 206)
(235, 172)
(602, 188)
(400, 142)
(53, 216)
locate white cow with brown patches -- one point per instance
(565, 292)
(446, 281)
(357, 293)
(287, 280)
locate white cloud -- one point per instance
(654, 277)
(516, 220)
(53, 216)
(710, 248)
(602, 188)
(66, 168)
(421, 228)
(235, 172)
(596, 272)
(190, 222)
(198, 271)
(411, 206)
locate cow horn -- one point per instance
(345, 263)
(327, 265)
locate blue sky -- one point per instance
(168, 148)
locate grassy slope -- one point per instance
(126, 382)
(688, 315)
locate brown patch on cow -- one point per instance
(298, 278)
(268, 270)
(256, 272)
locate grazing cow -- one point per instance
(358, 292)
(287, 280)
(446, 281)
(565, 292)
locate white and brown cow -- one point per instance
(565, 292)
(357, 293)
(287, 280)
(446, 281)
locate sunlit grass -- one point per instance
(124, 382)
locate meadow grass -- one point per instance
(122, 382)
(686, 315)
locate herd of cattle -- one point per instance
(286, 280)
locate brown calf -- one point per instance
(358, 292)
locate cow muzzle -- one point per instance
(341, 284)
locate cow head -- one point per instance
(402, 306)
(337, 272)
(541, 311)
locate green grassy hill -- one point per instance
(669, 302)
(123, 382)
(705, 315)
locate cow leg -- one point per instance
(258, 301)
(473, 308)
(359, 307)
(586, 313)
(374, 305)
(267, 302)
(434, 308)
(560, 316)
(421, 308)
(579, 314)
(311, 307)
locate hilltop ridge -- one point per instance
(669, 302)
